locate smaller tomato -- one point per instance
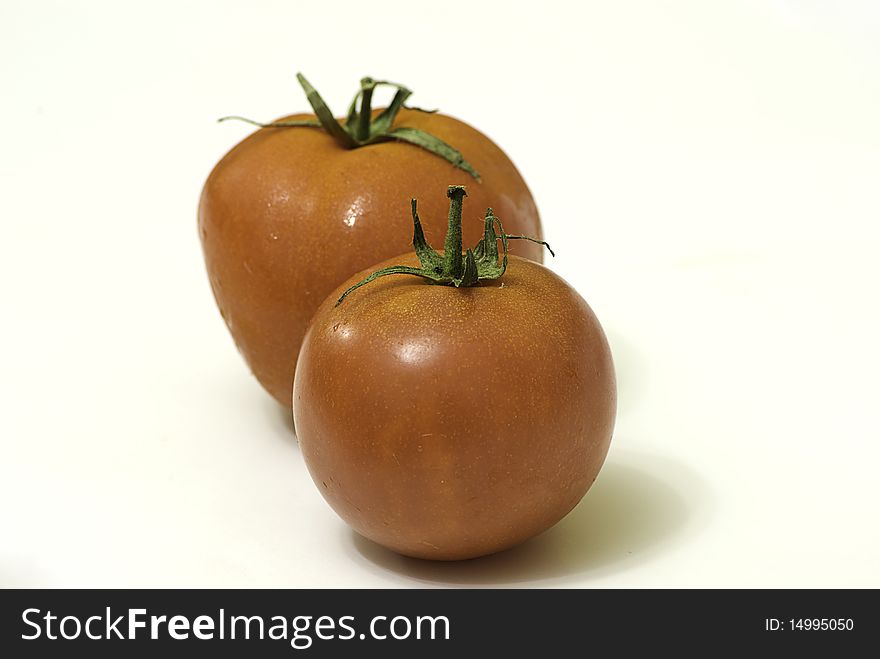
(449, 422)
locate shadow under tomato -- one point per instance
(637, 508)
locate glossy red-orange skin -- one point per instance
(288, 214)
(450, 423)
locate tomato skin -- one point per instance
(449, 423)
(288, 214)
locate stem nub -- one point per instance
(452, 244)
(453, 268)
(363, 121)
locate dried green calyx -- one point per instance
(361, 128)
(454, 268)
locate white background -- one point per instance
(708, 171)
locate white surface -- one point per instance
(714, 197)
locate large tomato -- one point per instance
(448, 423)
(291, 212)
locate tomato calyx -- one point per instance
(454, 268)
(362, 129)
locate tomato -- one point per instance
(449, 423)
(290, 212)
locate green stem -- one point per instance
(363, 123)
(533, 240)
(452, 245)
(325, 116)
(453, 268)
(275, 124)
(362, 129)
(393, 270)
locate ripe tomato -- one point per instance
(289, 213)
(449, 423)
